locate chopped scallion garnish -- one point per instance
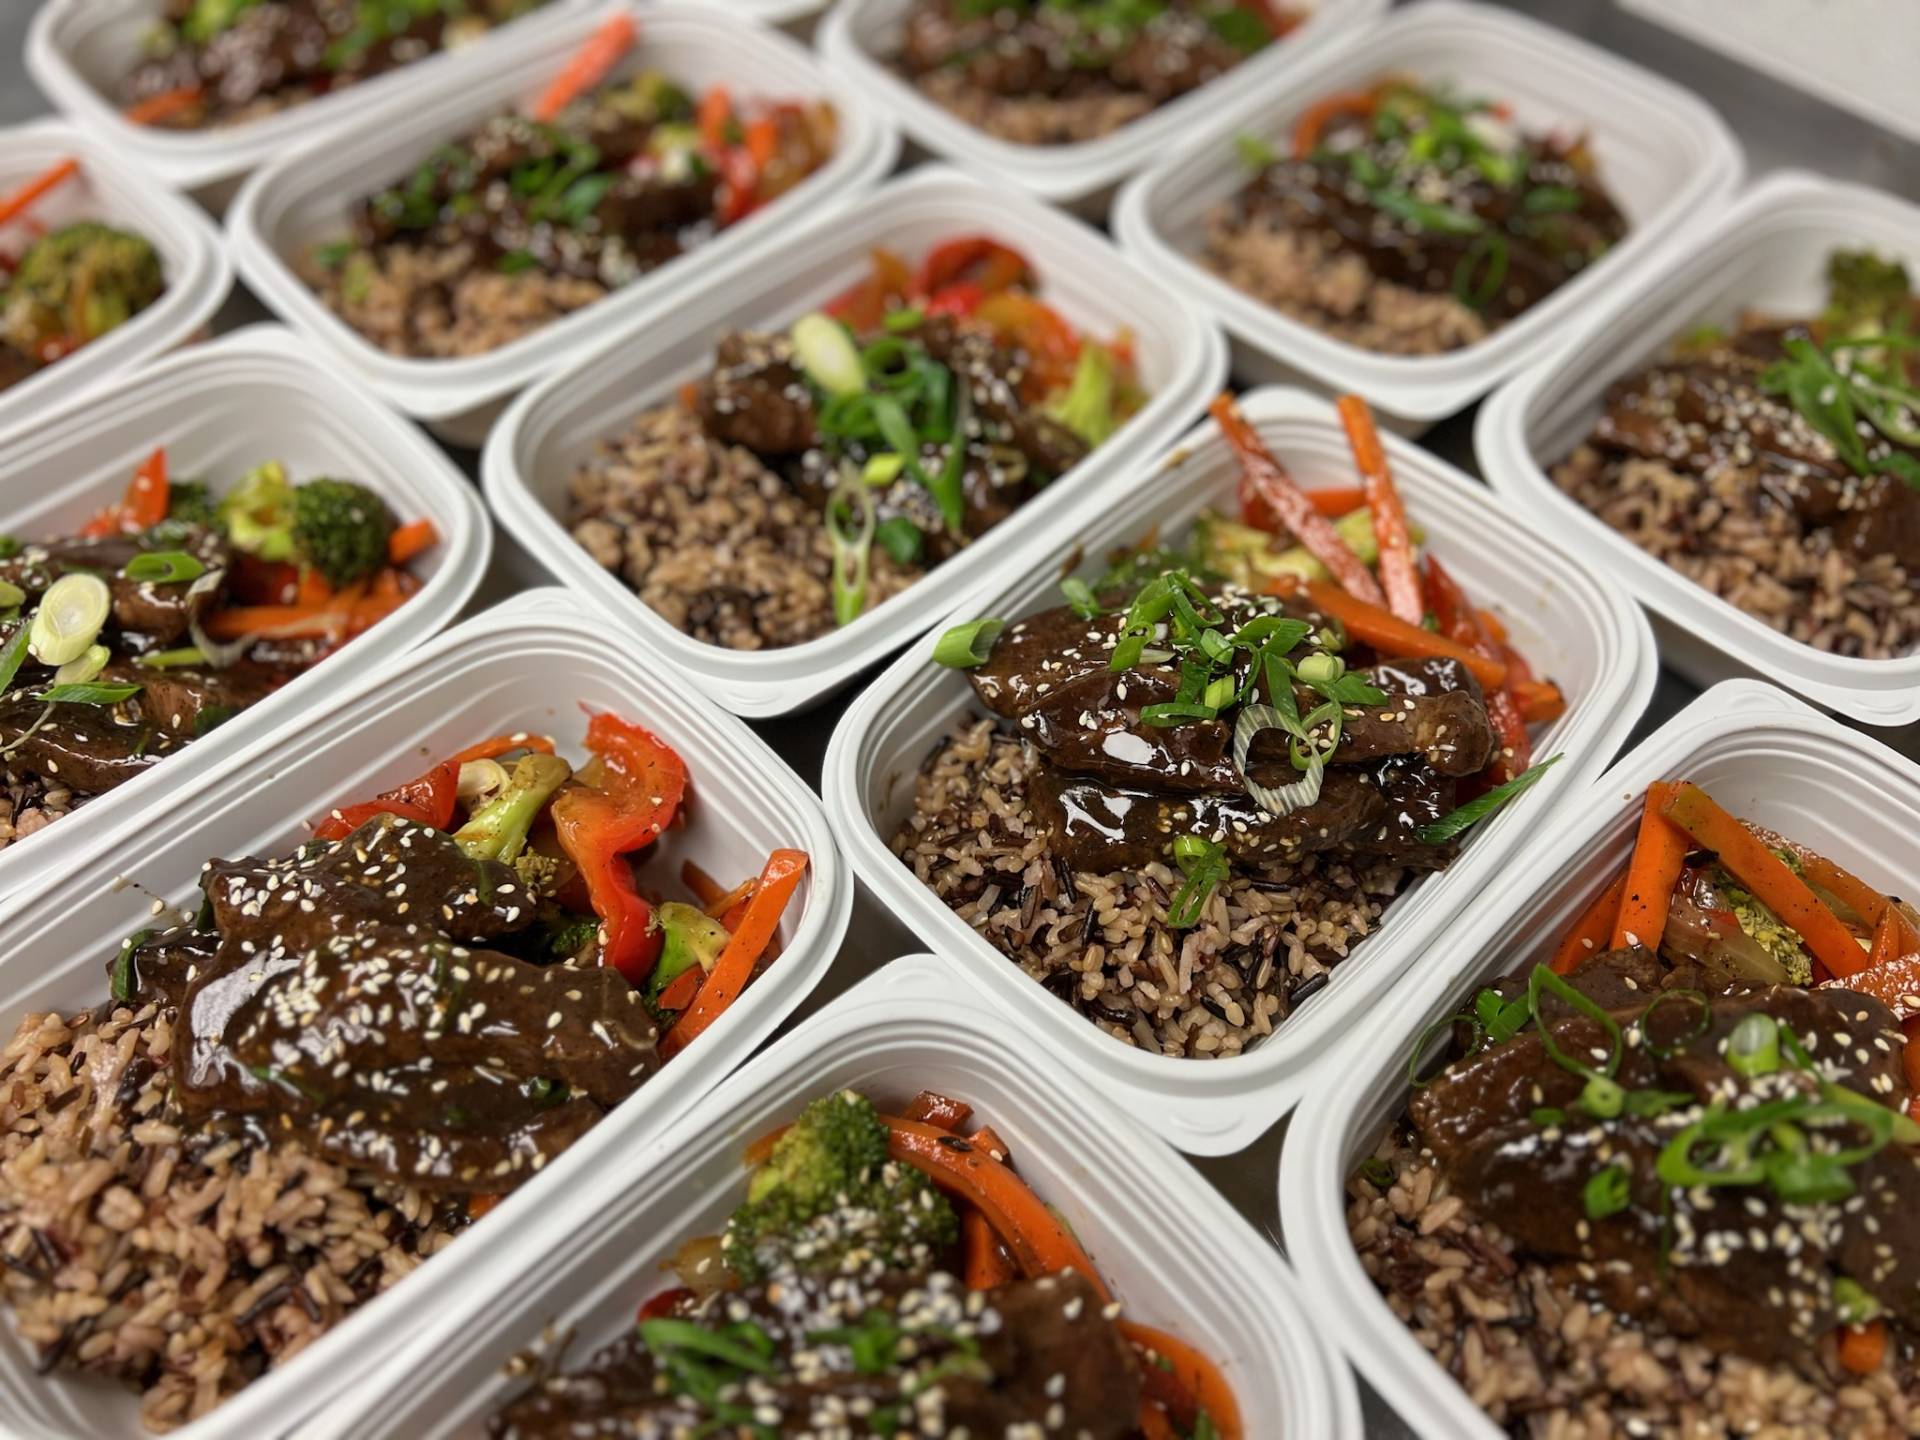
(964, 646)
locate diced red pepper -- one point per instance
(144, 504)
(959, 300)
(975, 259)
(864, 305)
(1456, 618)
(428, 800)
(640, 790)
(1052, 346)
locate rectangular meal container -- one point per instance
(1763, 755)
(110, 190)
(1574, 625)
(220, 409)
(78, 51)
(532, 664)
(1767, 253)
(534, 450)
(302, 198)
(1210, 1279)
(856, 35)
(1662, 153)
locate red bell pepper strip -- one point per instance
(1458, 621)
(664, 1303)
(942, 1112)
(975, 260)
(960, 299)
(1398, 578)
(864, 305)
(425, 801)
(749, 941)
(495, 746)
(143, 506)
(1052, 345)
(1289, 504)
(1588, 934)
(641, 787)
(740, 184)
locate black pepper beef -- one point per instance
(1745, 1271)
(348, 1002)
(1051, 1361)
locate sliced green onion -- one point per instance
(1480, 807)
(89, 694)
(164, 567)
(170, 659)
(1281, 800)
(120, 976)
(901, 539)
(1605, 1192)
(827, 353)
(1377, 1172)
(1320, 668)
(1544, 981)
(662, 1335)
(1256, 154)
(897, 321)
(1080, 597)
(1549, 1115)
(964, 646)
(1754, 1046)
(1177, 712)
(1703, 1020)
(1550, 200)
(1441, 219)
(1602, 1098)
(1204, 863)
(1220, 691)
(1853, 1303)
(11, 654)
(883, 469)
(852, 547)
(78, 672)
(11, 594)
(70, 617)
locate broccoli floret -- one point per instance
(649, 96)
(692, 938)
(830, 1198)
(77, 283)
(257, 514)
(498, 829)
(562, 935)
(208, 18)
(341, 529)
(1087, 407)
(1865, 294)
(1769, 932)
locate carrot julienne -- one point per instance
(587, 68)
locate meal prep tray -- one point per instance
(531, 664)
(1760, 753)
(1662, 153)
(856, 33)
(1574, 626)
(908, 1028)
(197, 274)
(223, 408)
(79, 50)
(535, 448)
(1768, 252)
(304, 197)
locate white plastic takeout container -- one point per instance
(1762, 755)
(859, 37)
(1572, 624)
(110, 190)
(79, 52)
(1211, 1279)
(219, 410)
(1768, 253)
(535, 449)
(304, 198)
(532, 664)
(1662, 153)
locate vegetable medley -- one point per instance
(1214, 763)
(536, 215)
(885, 1274)
(67, 286)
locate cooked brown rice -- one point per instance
(181, 1262)
(29, 803)
(1752, 555)
(1033, 119)
(1545, 1363)
(1100, 941)
(715, 542)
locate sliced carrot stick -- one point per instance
(1659, 852)
(1540, 701)
(1032, 1233)
(735, 967)
(1315, 118)
(410, 540)
(724, 906)
(762, 138)
(1767, 876)
(1863, 1347)
(1289, 503)
(1397, 575)
(1852, 891)
(495, 746)
(1894, 983)
(1887, 939)
(761, 1150)
(312, 589)
(705, 888)
(716, 109)
(164, 106)
(587, 68)
(1154, 1424)
(13, 206)
(1197, 1375)
(1387, 633)
(988, 1263)
(942, 1112)
(1588, 935)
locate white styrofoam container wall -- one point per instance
(859, 36)
(533, 452)
(79, 52)
(1768, 254)
(1761, 754)
(1662, 153)
(532, 664)
(303, 198)
(109, 189)
(219, 410)
(908, 1028)
(1570, 622)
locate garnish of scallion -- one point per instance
(1440, 831)
(964, 646)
